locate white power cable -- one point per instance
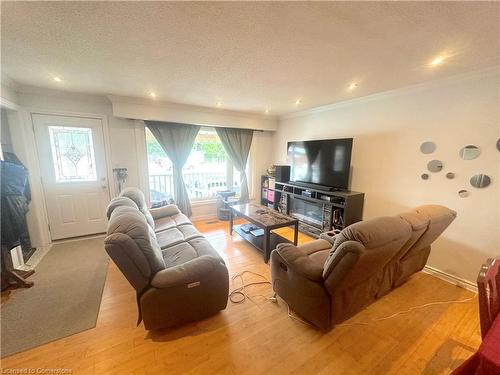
(241, 292)
(242, 296)
(407, 311)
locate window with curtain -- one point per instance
(207, 170)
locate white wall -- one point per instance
(388, 129)
(8, 91)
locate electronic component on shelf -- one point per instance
(248, 228)
(327, 217)
(307, 193)
(257, 232)
(282, 173)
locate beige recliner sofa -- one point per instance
(178, 276)
(331, 279)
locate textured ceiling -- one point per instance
(249, 56)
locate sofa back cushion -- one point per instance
(439, 218)
(137, 196)
(419, 223)
(132, 245)
(119, 202)
(362, 249)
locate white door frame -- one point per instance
(107, 156)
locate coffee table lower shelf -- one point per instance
(258, 241)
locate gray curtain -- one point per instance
(177, 141)
(237, 144)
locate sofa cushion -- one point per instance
(169, 237)
(203, 247)
(131, 222)
(314, 246)
(375, 233)
(119, 202)
(419, 222)
(178, 254)
(380, 239)
(319, 257)
(163, 211)
(138, 197)
(439, 218)
(171, 222)
(173, 236)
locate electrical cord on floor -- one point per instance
(297, 318)
(407, 311)
(242, 296)
(239, 294)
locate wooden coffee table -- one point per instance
(266, 219)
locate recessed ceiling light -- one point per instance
(57, 79)
(438, 60)
(352, 86)
(298, 101)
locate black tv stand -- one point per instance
(317, 210)
(314, 186)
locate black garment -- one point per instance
(12, 158)
(15, 196)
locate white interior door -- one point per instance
(73, 168)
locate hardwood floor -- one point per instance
(258, 337)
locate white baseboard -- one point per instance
(455, 280)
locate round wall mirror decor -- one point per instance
(424, 176)
(450, 175)
(435, 166)
(469, 152)
(428, 147)
(463, 193)
(480, 180)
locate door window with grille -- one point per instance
(72, 153)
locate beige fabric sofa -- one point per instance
(331, 279)
(179, 277)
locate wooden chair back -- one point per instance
(488, 284)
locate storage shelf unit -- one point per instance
(324, 210)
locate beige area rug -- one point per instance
(65, 299)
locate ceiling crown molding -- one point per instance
(493, 71)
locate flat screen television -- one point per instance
(323, 162)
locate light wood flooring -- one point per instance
(258, 337)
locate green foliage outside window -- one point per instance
(154, 148)
(212, 149)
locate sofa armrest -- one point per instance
(298, 260)
(187, 273)
(329, 236)
(342, 258)
(168, 210)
